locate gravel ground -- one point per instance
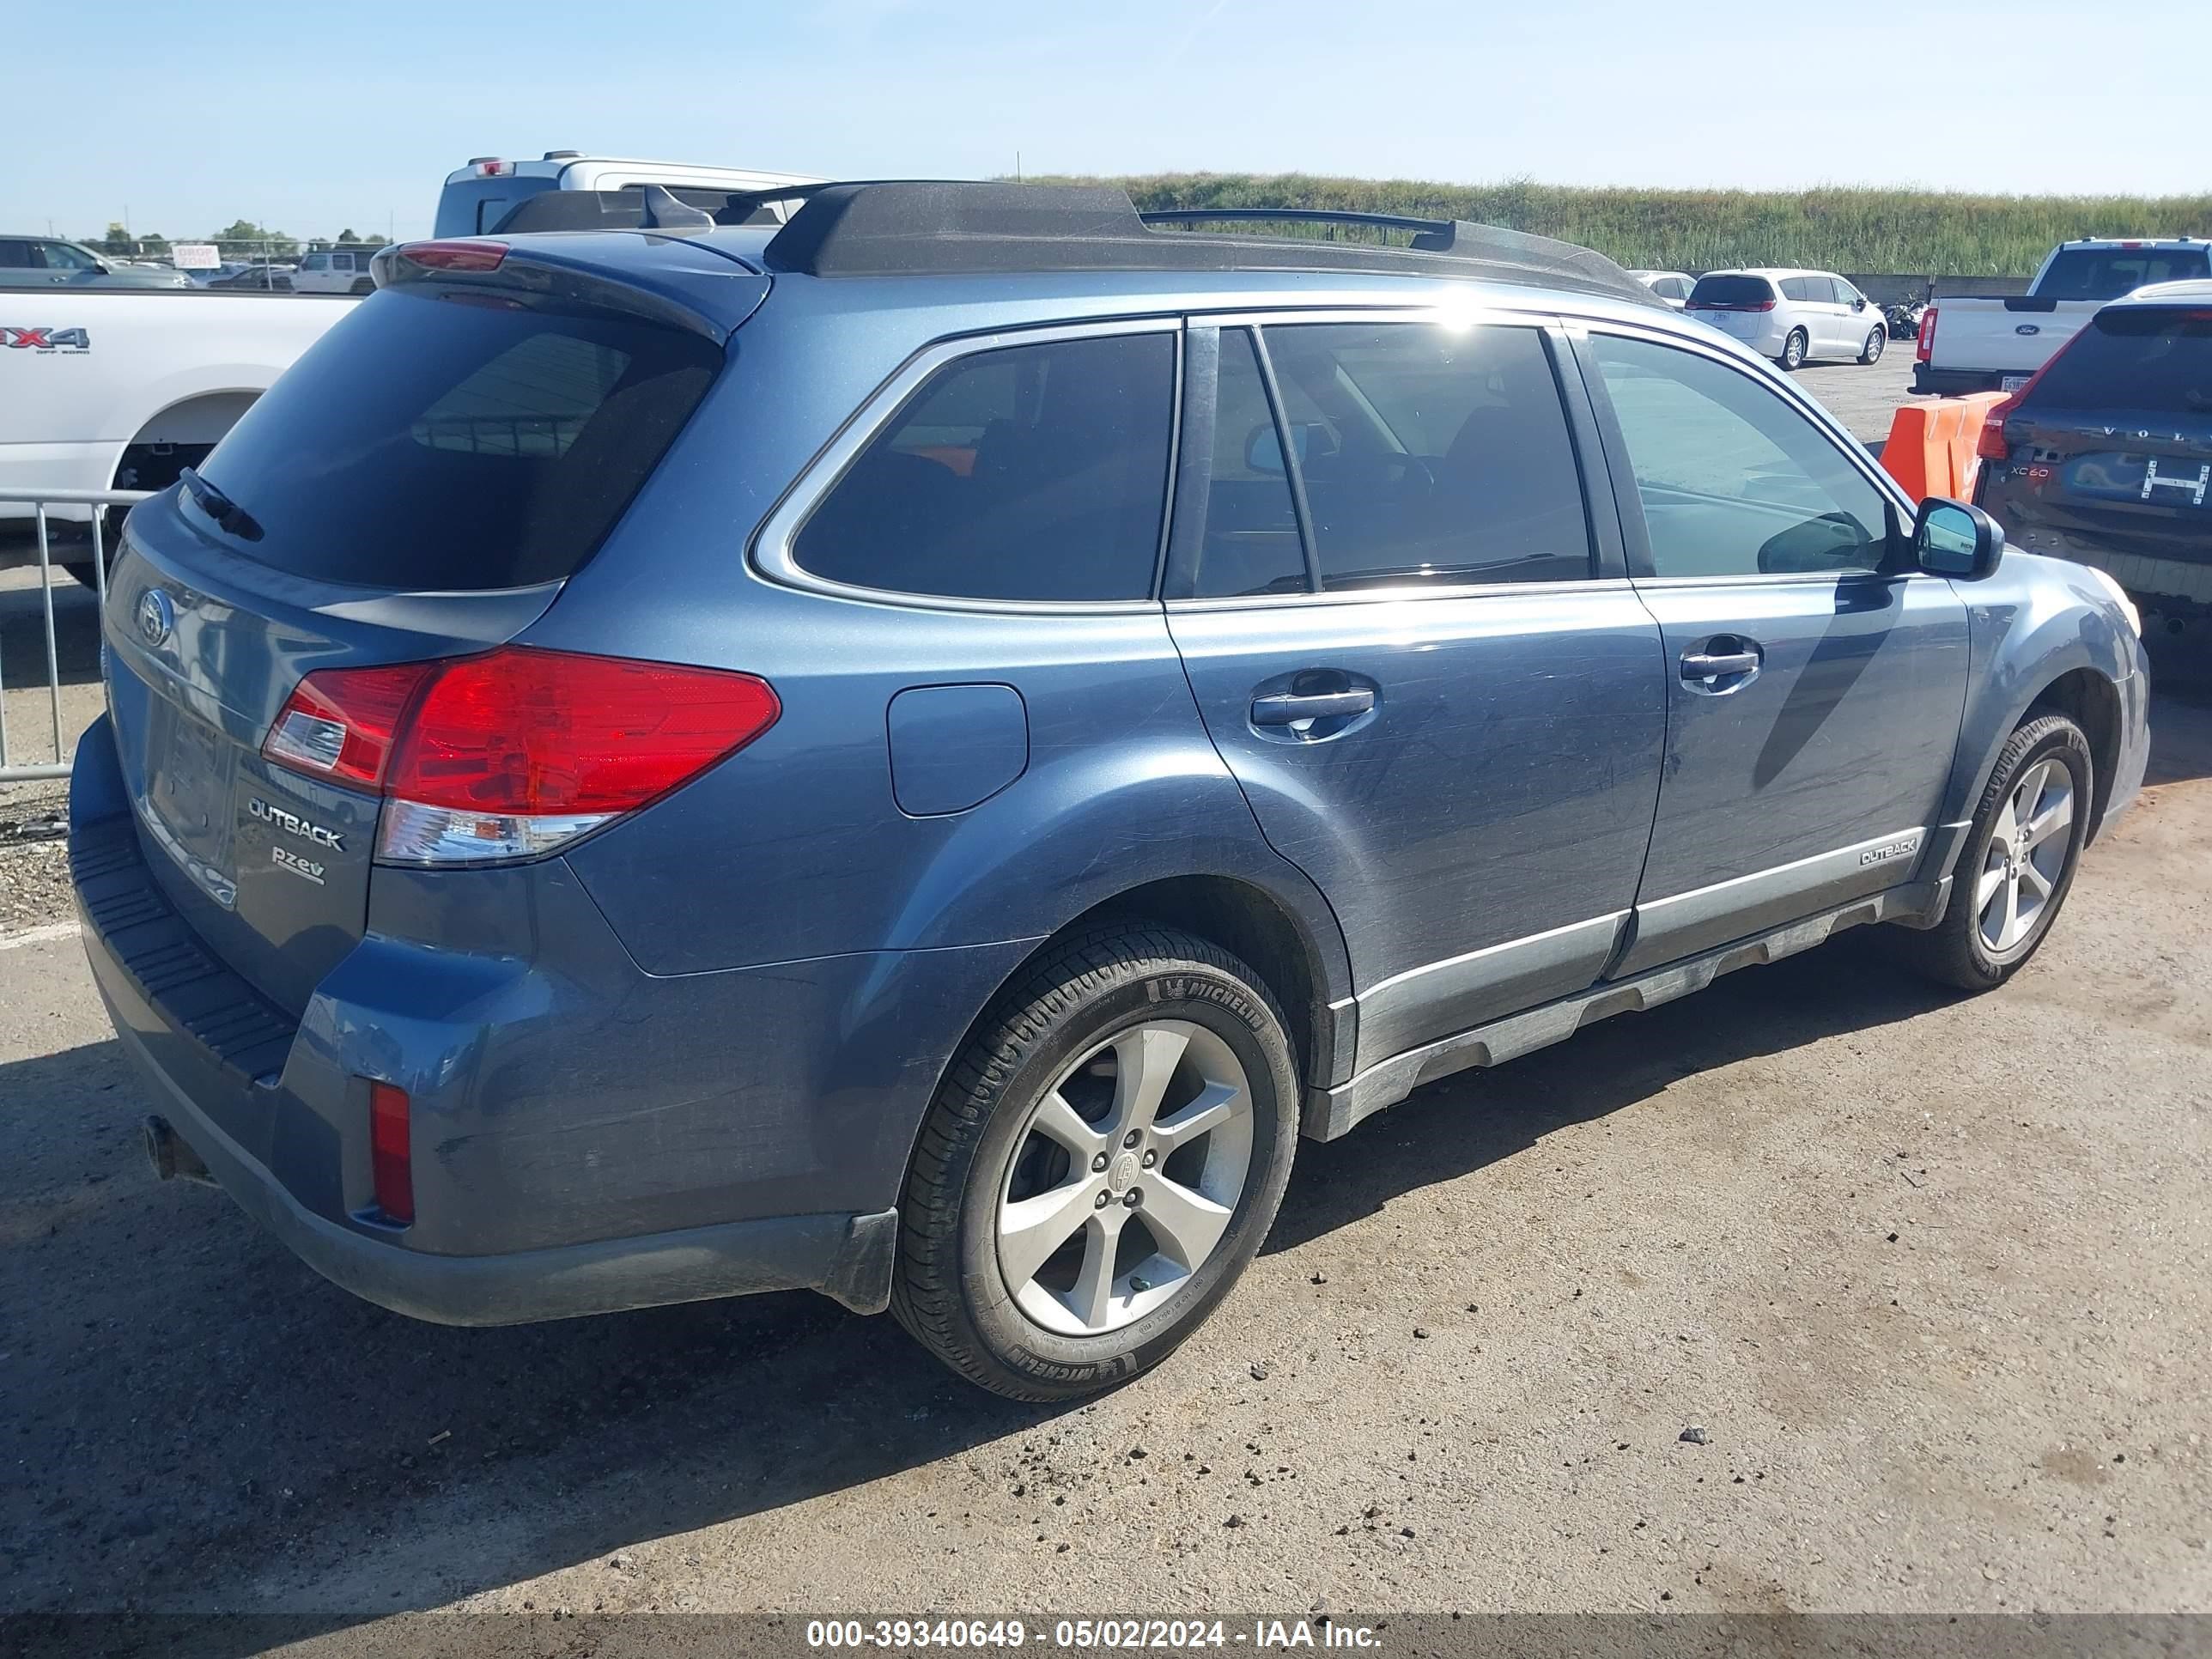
(1931, 1275)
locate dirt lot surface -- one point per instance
(1932, 1277)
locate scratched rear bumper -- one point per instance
(584, 1141)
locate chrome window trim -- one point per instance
(771, 558)
(1411, 592)
(1787, 390)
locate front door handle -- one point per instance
(1287, 709)
(1699, 665)
(1722, 664)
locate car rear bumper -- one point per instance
(586, 1139)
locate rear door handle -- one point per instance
(1698, 666)
(1287, 709)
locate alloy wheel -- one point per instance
(2026, 857)
(1123, 1183)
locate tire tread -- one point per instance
(924, 1287)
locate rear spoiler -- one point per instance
(664, 287)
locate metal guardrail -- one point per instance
(39, 501)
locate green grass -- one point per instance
(1865, 230)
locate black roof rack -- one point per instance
(1430, 235)
(892, 228)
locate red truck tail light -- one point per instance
(1926, 342)
(511, 754)
(391, 1153)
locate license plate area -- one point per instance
(191, 777)
(2012, 382)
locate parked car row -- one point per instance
(933, 817)
(36, 262)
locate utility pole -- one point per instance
(1017, 167)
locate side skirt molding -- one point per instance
(1329, 1112)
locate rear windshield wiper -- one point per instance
(229, 517)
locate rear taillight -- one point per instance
(470, 255)
(339, 724)
(513, 753)
(1926, 342)
(391, 1151)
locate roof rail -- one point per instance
(1430, 235)
(915, 227)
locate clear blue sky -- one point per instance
(319, 114)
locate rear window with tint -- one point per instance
(2088, 273)
(1731, 291)
(1035, 472)
(2144, 360)
(442, 444)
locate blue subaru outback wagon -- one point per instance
(913, 753)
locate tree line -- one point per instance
(240, 235)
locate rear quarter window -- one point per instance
(448, 443)
(1035, 472)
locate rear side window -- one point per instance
(1035, 472)
(2092, 273)
(1732, 291)
(448, 443)
(1431, 454)
(1801, 288)
(1251, 544)
(2147, 360)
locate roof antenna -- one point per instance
(662, 211)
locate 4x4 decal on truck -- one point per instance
(44, 339)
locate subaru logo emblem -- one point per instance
(2027, 328)
(156, 616)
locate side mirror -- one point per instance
(1950, 538)
(1263, 448)
(1858, 302)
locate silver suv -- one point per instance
(1791, 316)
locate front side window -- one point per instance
(1431, 454)
(316, 261)
(60, 255)
(1734, 481)
(1035, 472)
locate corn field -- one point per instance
(1895, 230)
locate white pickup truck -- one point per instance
(1995, 345)
(123, 389)
(117, 389)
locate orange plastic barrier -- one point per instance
(1931, 447)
